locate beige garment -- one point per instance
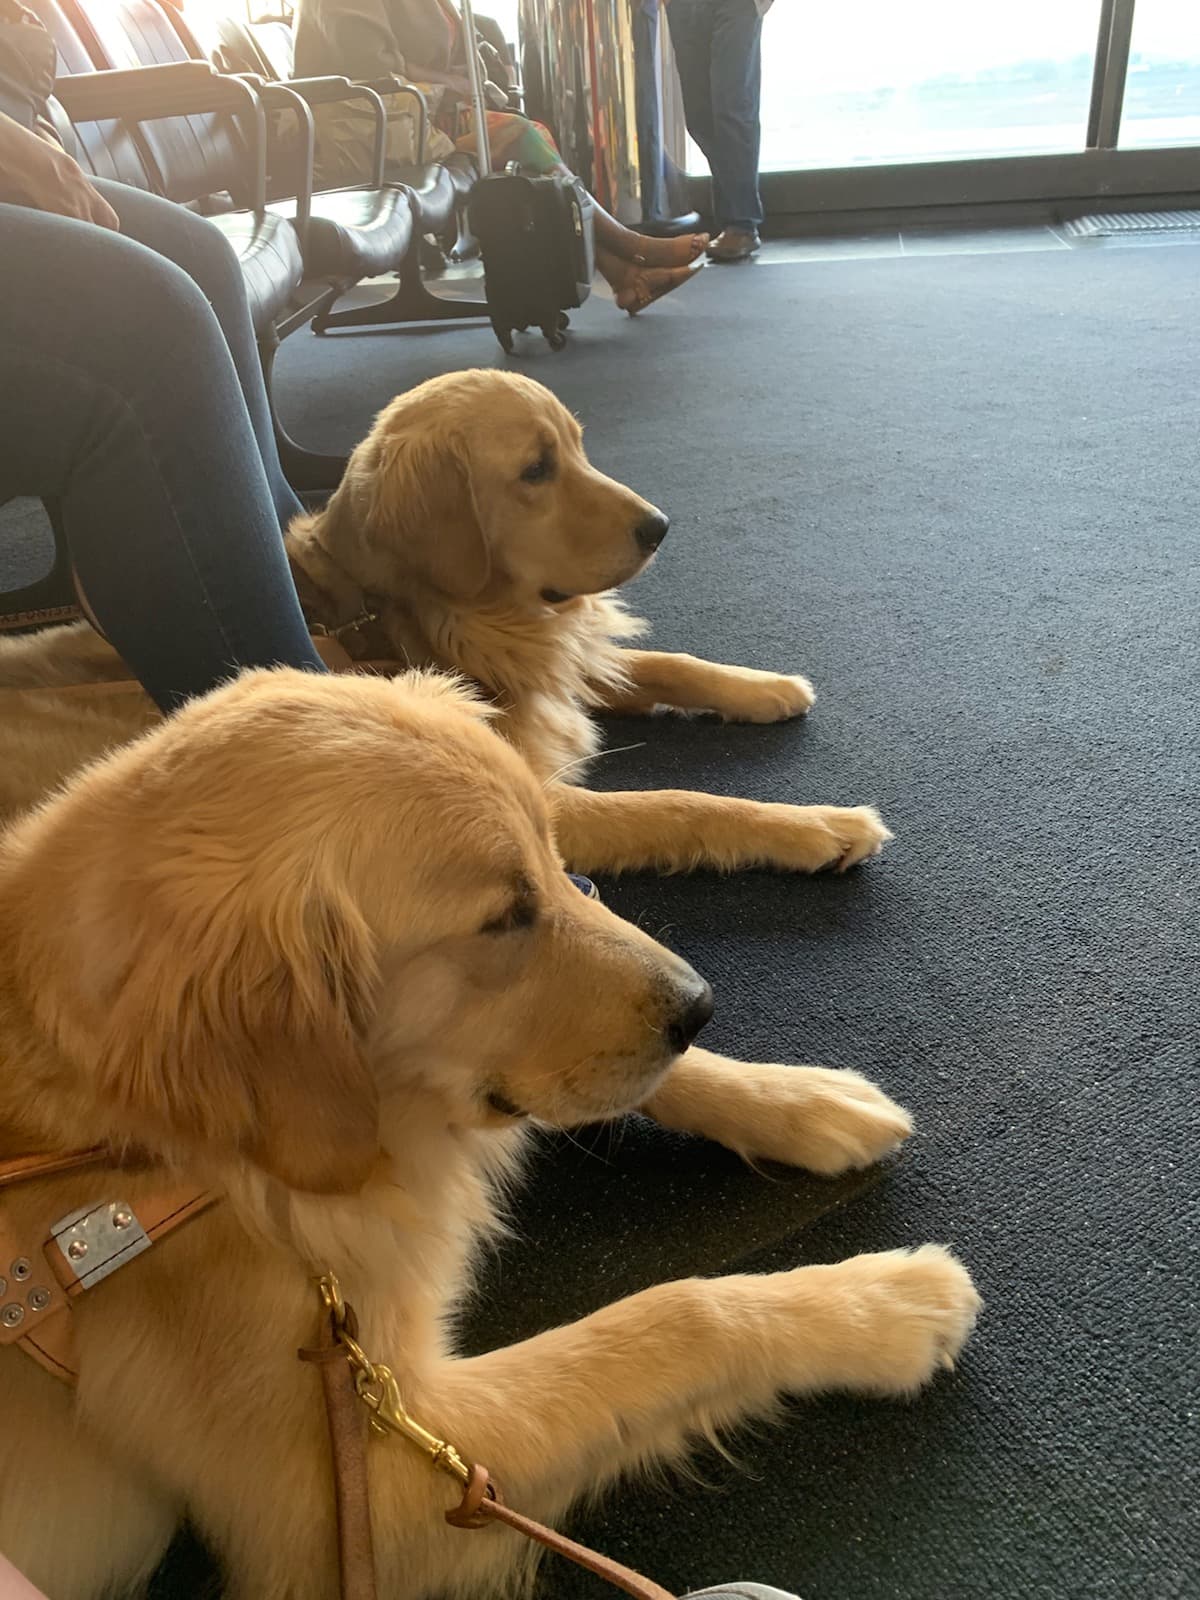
(366, 38)
(346, 139)
(363, 40)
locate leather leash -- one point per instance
(482, 1503)
(349, 1377)
(349, 1423)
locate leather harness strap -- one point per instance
(41, 1275)
(16, 1169)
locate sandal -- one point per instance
(649, 284)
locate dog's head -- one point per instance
(478, 484)
(269, 926)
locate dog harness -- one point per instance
(45, 1268)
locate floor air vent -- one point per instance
(1126, 222)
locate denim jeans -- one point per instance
(718, 52)
(133, 395)
(651, 166)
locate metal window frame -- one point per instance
(1109, 71)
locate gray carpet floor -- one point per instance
(962, 494)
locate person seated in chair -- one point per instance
(422, 40)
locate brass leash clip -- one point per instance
(378, 1389)
(481, 1504)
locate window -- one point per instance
(1162, 89)
(874, 81)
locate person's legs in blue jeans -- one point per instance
(690, 22)
(144, 417)
(736, 85)
(718, 52)
(202, 252)
(649, 111)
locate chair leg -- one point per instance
(433, 257)
(48, 599)
(412, 302)
(303, 469)
(466, 246)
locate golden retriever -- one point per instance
(308, 941)
(472, 528)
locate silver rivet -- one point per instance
(122, 1219)
(12, 1315)
(38, 1299)
(77, 1249)
(21, 1269)
(3, 1287)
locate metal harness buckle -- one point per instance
(96, 1240)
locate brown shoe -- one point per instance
(734, 244)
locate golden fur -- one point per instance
(436, 529)
(309, 941)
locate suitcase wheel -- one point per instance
(504, 337)
(554, 335)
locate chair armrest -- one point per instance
(394, 85)
(328, 91)
(322, 90)
(278, 97)
(146, 94)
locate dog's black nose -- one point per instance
(651, 532)
(695, 1011)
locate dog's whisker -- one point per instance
(583, 761)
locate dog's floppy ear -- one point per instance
(420, 500)
(233, 1033)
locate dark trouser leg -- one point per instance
(123, 403)
(736, 82)
(649, 111)
(690, 22)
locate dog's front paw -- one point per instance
(831, 836)
(821, 1119)
(768, 697)
(907, 1313)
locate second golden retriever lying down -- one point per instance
(308, 942)
(472, 526)
(472, 529)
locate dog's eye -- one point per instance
(538, 471)
(523, 913)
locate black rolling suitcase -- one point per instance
(535, 236)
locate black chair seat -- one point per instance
(433, 193)
(269, 253)
(464, 174)
(358, 233)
